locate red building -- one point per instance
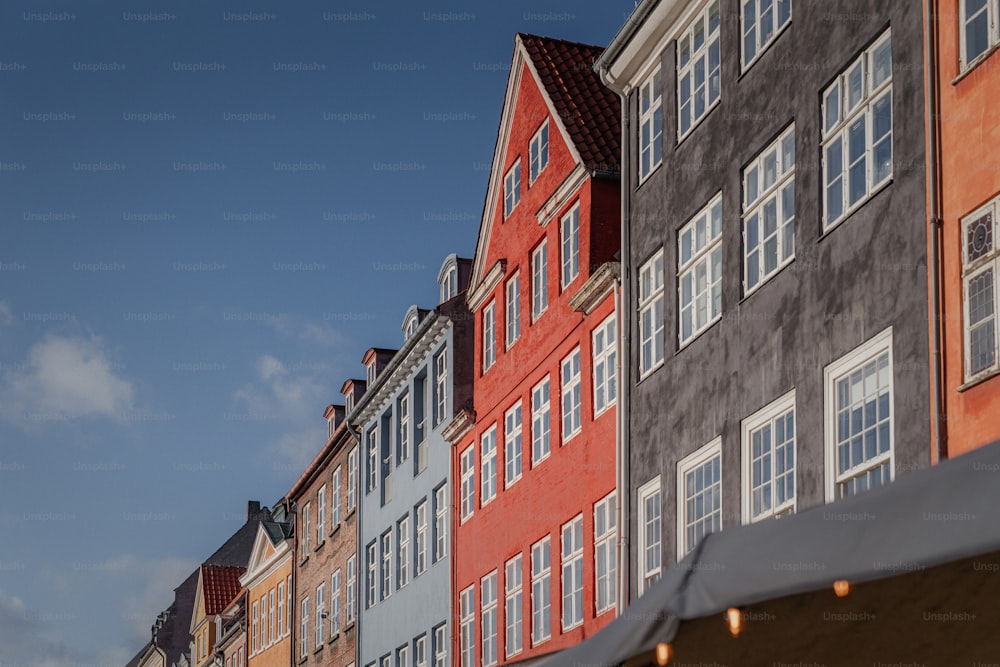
(965, 196)
(534, 463)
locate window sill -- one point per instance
(348, 626)
(985, 55)
(318, 649)
(350, 513)
(303, 659)
(335, 530)
(303, 561)
(334, 638)
(319, 546)
(978, 379)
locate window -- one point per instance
(513, 309)
(699, 496)
(441, 387)
(650, 552)
(571, 395)
(605, 359)
(331, 427)
(373, 459)
(512, 188)
(263, 621)
(651, 314)
(270, 617)
(512, 445)
(769, 460)
(255, 626)
(488, 594)
(281, 610)
(348, 403)
(859, 418)
(540, 591)
(857, 132)
(403, 451)
(304, 629)
(385, 660)
(441, 646)
(352, 477)
(467, 632)
(513, 606)
(449, 285)
(605, 557)
(288, 605)
(540, 415)
(489, 336)
(489, 465)
(570, 234)
(372, 574)
(321, 515)
(403, 540)
(762, 22)
(539, 150)
(320, 613)
(306, 529)
(335, 500)
(979, 31)
(572, 573)
(386, 564)
(650, 125)
(352, 582)
(403, 656)
(980, 263)
(769, 211)
(440, 522)
(420, 512)
(335, 603)
(539, 280)
(699, 270)
(370, 374)
(420, 651)
(468, 482)
(698, 69)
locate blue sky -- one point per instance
(208, 211)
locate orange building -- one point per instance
(964, 204)
(268, 583)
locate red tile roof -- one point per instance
(590, 111)
(220, 584)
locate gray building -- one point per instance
(405, 509)
(774, 261)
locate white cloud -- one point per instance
(65, 378)
(307, 331)
(6, 315)
(25, 640)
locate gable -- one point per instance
(198, 612)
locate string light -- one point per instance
(663, 654)
(841, 588)
(734, 618)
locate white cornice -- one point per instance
(641, 53)
(476, 298)
(458, 426)
(592, 293)
(566, 191)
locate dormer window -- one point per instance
(449, 286)
(371, 373)
(331, 426)
(348, 403)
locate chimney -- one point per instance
(253, 509)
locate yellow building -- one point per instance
(268, 582)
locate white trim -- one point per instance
(513, 597)
(512, 188)
(784, 178)
(606, 540)
(543, 162)
(567, 190)
(874, 347)
(538, 412)
(698, 54)
(652, 81)
(575, 528)
(761, 47)
(488, 457)
(649, 302)
(690, 265)
(642, 494)
(512, 325)
(694, 460)
(973, 269)
(489, 605)
(467, 472)
(518, 449)
(573, 237)
(608, 358)
(571, 386)
(992, 10)
(541, 250)
(758, 419)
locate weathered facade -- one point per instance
(774, 262)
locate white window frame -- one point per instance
(320, 610)
(441, 503)
(513, 302)
(704, 455)
(514, 606)
(270, 617)
(352, 479)
(467, 628)
(403, 656)
(604, 348)
(440, 645)
(306, 530)
(352, 582)
(513, 448)
(449, 286)
(699, 56)
(650, 124)
(605, 535)
(986, 263)
(385, 660)
(762, 199)
(335, 603)
(512, 188)
(335, 515)
(539, 280)
(281, 609)
(420, 651)
(387, 553)
(488, 465)
(569, 243)
(876, 346)
(403, 452)
(766, 419)
(571, 395)
(541, 590)
(255, 628)
(705, 255)
(538, 151)
(652, 341)
(777, 25)
(541, 421)
(992, 11)
(649, 555)
(468, 462)
(489, 335)
(370, 372)
(321, 515)
(571, 582)
(373, 576)
(304, 628)
(836, 131)
(420, 555)
(373, 459)
(441, 387)
(488, 616)
(403, 551)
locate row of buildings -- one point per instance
(737, 264)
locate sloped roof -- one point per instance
(590, 111)
(220, 584)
